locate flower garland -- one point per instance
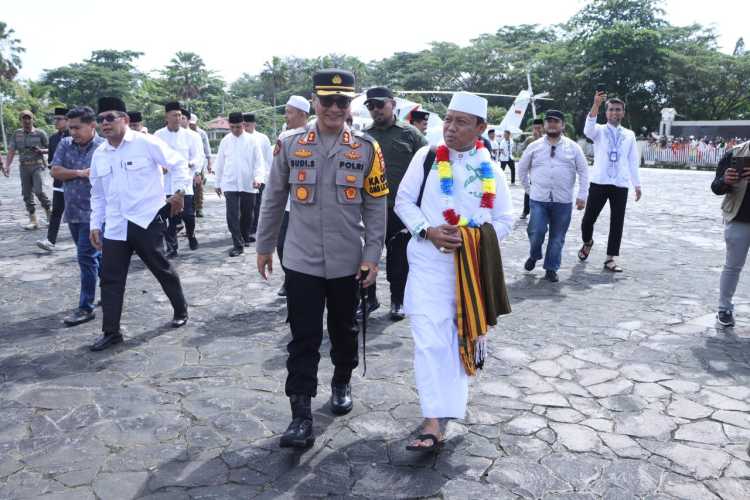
(445, 174)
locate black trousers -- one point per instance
(240, 207)
(256, 210)
(396, 264)
(512, 164)
(188, 217)
(599, 194)
(149, 246)
(280, 242)
(526, 208)
(307, 296)
(58, 207)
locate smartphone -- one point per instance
(601, 87)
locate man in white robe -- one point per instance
(430, 300)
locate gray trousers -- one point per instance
(32, 183)
(737, 238)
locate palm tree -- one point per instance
(10, 63)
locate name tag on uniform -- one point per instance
(614, 156)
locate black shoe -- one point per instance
(725, 318)
(79, 316)
(246, 244)
(371, 306)
(299, 434)
(251, 239)
(106, 340)
(234, 252)
(193, 242)
(199, 213)
(172, 255)
(397, 312)
(179, 321)
(551, 276)
(530, 264)
(341, 399)
(282, 291)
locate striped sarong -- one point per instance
(471, 314)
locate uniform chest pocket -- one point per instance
(138, 173)
(402, 147)
(302, 183)
(349, 186)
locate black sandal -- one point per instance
(614, 268)
(436, 443)
(585, 250)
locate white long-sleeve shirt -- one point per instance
(624, 172)
(239, 163)
(505, 149)
(551, 178)
(127, 183)
(431, 284)
(190, 146)
(266, 151)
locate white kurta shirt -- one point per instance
(239, 163)
(431, 283)
(505, 149)
(190, 146)
(625, 171)
(266, 151)
(127, 183)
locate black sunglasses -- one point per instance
(341, 101)
(375, 104)
(109, 117)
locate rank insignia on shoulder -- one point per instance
(301, 175)
(353, 155)
(277, 148)
(350, 193)
(303, 153)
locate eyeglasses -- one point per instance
(552, 152)
(341, 101)
(109, 118)
(375, 104)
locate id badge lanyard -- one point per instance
(615, 139)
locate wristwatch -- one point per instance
(423, 234)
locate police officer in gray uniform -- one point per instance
(336, 179)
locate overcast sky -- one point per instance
(239, 36)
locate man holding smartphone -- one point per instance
(731, 181)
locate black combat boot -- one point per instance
(341, 398)
(299, 434)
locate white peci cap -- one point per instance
(299, 102)
(469, 103)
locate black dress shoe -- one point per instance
(371, 306)
(79, 316)
(397, 312)
(282, 291)
(234, 252)
(193, 242)
(179, 321)
(341, 398)
(106, 340)
(530, 264)
(199, 213)
(299, 434)
(551, 276)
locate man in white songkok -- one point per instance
(464, 187)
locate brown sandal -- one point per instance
(585, 250)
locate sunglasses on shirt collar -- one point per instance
(341, 101)
(109, 118)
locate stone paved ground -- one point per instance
(598, 387)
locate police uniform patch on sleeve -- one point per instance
(376, 185)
